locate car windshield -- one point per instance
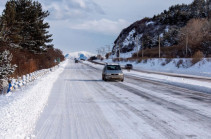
(113, 67)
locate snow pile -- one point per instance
(184, 66)
(73, 55)
(20, 110)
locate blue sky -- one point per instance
(87, 25)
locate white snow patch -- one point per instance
(129, 39)
(148, 23)
(128, 54)
(20, 110)
(167, 29)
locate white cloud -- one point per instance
(81, 3)
(104, 26)
(74, 9)
(1, 9)
(2, 5)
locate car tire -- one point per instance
(122, 80)
(105, 79)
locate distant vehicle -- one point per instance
(129, 66)
(76, 61)
(112, 72)
(93, 58)
(82, 57)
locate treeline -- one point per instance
(180, 14)
(24, 33)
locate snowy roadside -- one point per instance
(20, 110)
(177, 65)
(163, 78)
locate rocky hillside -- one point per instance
(144, 34)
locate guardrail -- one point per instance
(96, 62)
(24, 80)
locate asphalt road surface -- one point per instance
(82, 106)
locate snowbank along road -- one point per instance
(82, 106)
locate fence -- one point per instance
(6, 87)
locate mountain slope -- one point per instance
(144, 34)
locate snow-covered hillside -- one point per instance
(73, 55)
(169, 25)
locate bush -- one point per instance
(167, 60)
(28, 62)
(3, 86)
(93, 58)
(107, 55)
(179, 63)
(197, 57)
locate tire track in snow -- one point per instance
(168, 133)
(71, 112)
(182, 110)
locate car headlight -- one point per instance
(121, 74)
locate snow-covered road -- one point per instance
(82, 106)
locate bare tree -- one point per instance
(194, 33)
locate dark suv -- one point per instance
(76, 61)
(129, 66)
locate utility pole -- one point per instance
(108, 48)
(142, 50)
(103, 51)
(137, 45)
(119, 51)
(98, 51)
(209, 8)
(159, 45)
(186, 43)
(116, 50)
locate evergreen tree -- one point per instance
(5, 66)
(9, 25)
(5, 70)
(41, 35)
(1, 32)
(27, 20)
(198, 9)
(209, 8)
